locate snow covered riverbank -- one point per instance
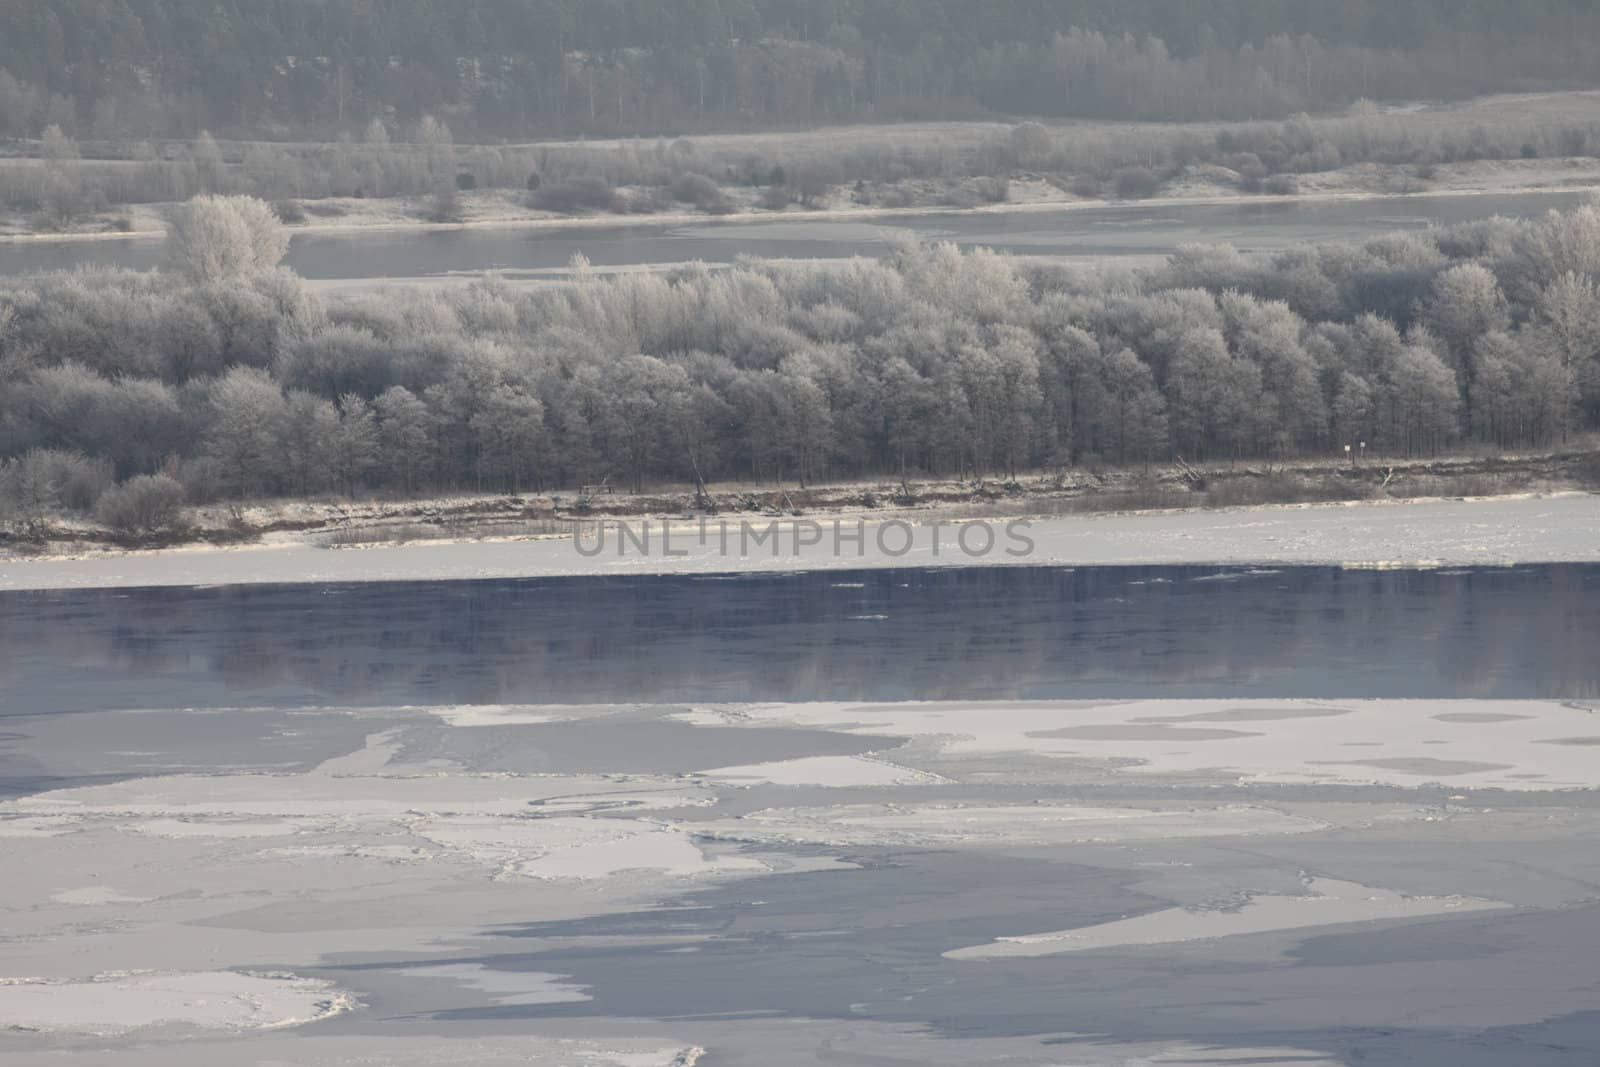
(1562, 527)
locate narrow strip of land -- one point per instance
(1562, 527)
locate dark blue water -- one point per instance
(1006, 632)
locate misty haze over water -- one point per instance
(965, 633)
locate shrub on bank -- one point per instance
(1135, 183)
(142, 506)
(700, 191)
(576, 195)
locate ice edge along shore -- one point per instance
(1500, 531)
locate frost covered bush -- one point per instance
(144, 505)
(699, 190)
(45, 481)
(1135, 183)
(575, 195)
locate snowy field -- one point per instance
(1557, 528)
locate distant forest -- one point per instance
(521, 68)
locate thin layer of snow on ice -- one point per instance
(320, 800)
(352, 850)
(117, 1003)
(1504, 744)
(212, 827)
(531, 825)
(581, 848)
(526, 1050)
(12, 825)
(836, 771)
(506, 987)
(1493, 531)
(978, 826)
(495, 714)
(743, 1040)
(94, 896)
(412, 1048)
(1326, 902)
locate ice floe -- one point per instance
(1502, 744)
(1326, 902)
(120, 1002)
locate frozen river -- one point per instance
(1136, 230)
(1028, 815)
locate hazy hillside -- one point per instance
(153, 68)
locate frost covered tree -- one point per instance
(1566, 315)
(510, 431)
(63, 194)
(375, 161)
(1465, 307)
(205, 158)
(1215, 397)
(307, 439)
(1424, 401)
(805, 421)
(219, 238)
(405, 437)
(354, 449)
(248, 414)
(1542, 251)
(1294, 414)
(1353, 411)
(1135, 415)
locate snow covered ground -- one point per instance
(1490, 531)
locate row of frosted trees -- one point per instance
(225, 372)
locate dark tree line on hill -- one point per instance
(154, 68)
(224, 374)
